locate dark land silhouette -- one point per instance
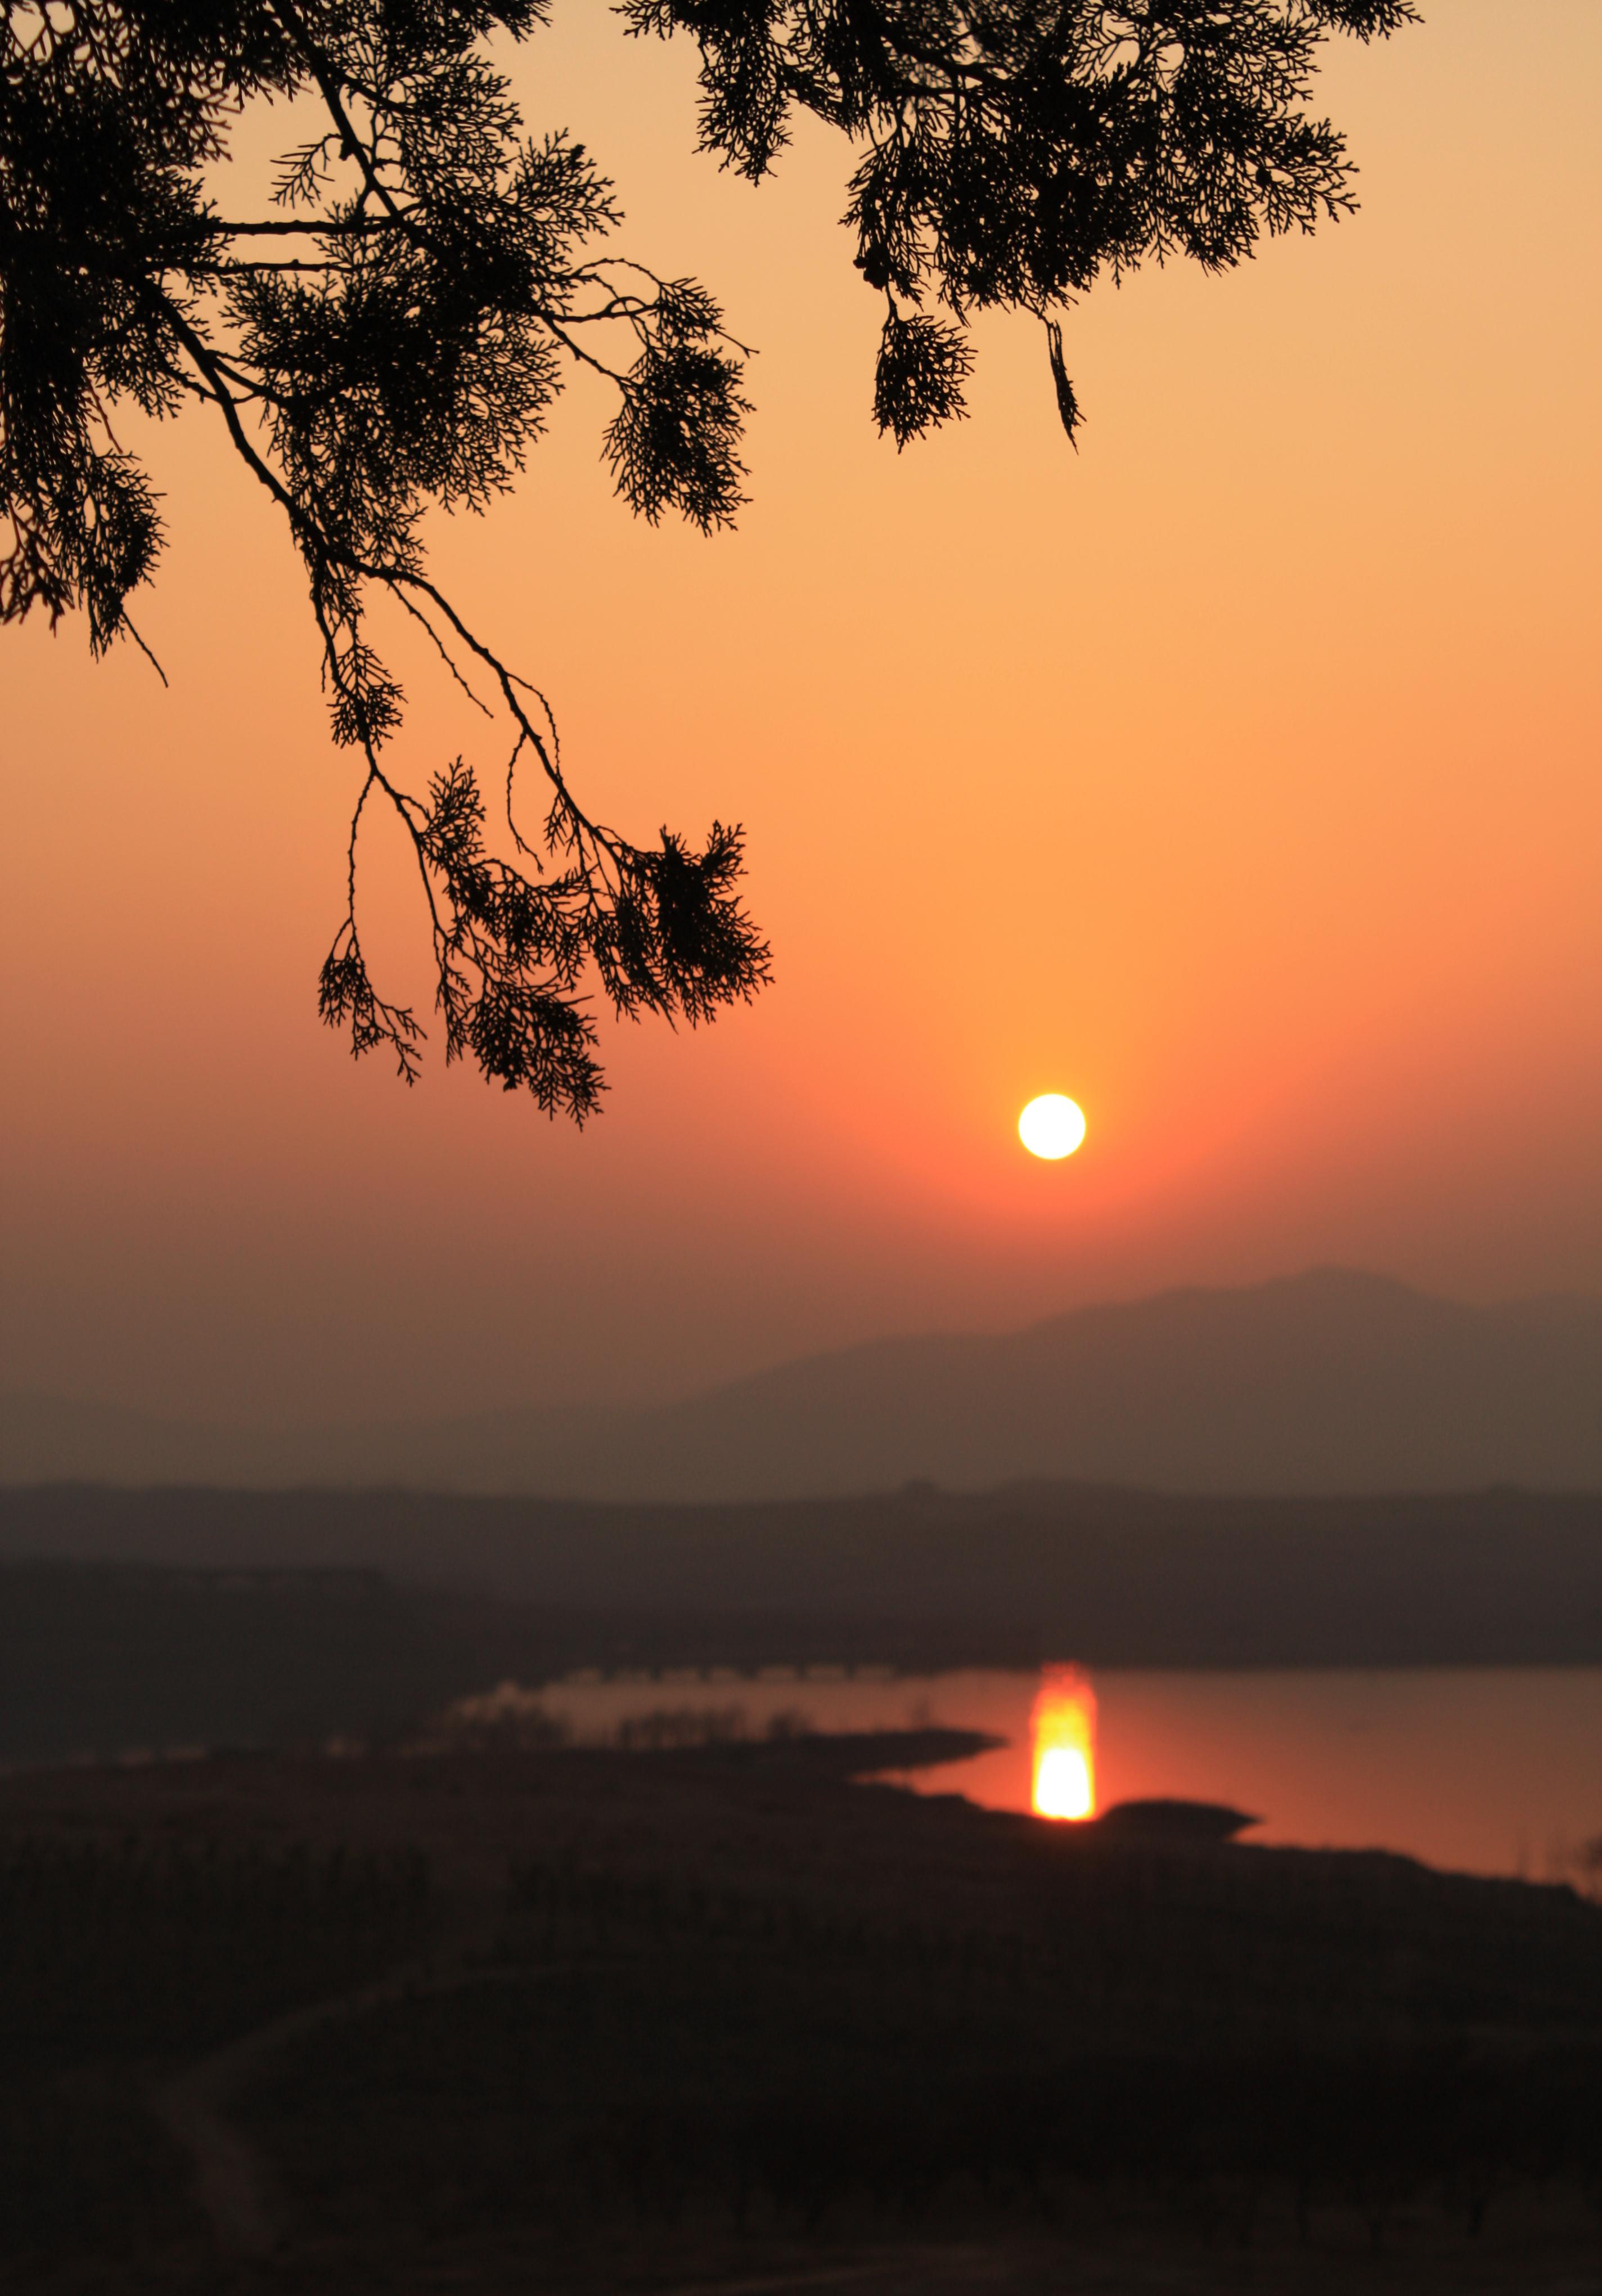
(476, 2012)
(721, 2017)
(168, 1618)
(1329, 1381)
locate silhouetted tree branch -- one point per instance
(392, 337)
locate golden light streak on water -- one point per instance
(1064, 1729)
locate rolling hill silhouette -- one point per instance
(1331, 1381)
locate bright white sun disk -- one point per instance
(1051, 1126)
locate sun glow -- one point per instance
(1064, 1728)
(1051, 1126)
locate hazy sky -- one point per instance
(1237, 774)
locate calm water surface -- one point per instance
(1488, 1770)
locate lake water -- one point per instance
(1487, 1770)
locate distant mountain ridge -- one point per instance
(1329, 1382)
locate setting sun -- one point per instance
(1051, 1126)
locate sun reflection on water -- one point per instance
(1063, 1727)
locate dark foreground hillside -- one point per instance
(721, 2018)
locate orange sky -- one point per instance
(1237, 775)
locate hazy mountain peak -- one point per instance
(1331, 1380)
